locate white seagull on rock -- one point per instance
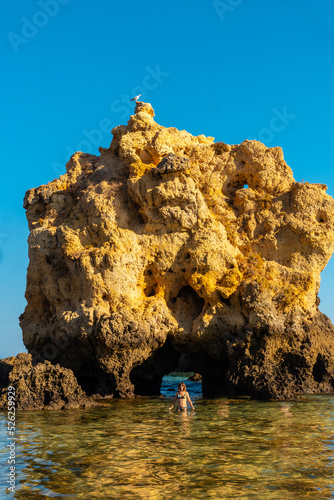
(135, 98)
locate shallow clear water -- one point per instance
(137, 449)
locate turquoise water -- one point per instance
(137, 449)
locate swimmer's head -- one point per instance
(182, 386)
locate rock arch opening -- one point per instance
(171, 380)
(149, 378)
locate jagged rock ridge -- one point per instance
(39, 387)
(170, 245)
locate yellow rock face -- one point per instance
(168, 243)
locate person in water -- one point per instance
(181, 398)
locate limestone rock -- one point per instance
(169, 244)
(44, 386)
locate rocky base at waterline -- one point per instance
(44, 386)
(170, 245)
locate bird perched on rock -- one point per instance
(135, 98)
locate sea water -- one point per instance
(138, 449)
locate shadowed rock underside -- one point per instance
(170, 245)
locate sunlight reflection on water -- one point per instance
(137, 449)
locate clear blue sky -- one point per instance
(224, 69)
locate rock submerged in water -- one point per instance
(169, 244)
(44, 386)
(197, 377)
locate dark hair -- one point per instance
(182, 386)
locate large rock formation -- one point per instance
(170, 245)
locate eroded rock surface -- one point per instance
(44, 386)
(170, 244)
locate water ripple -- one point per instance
(137, 449)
